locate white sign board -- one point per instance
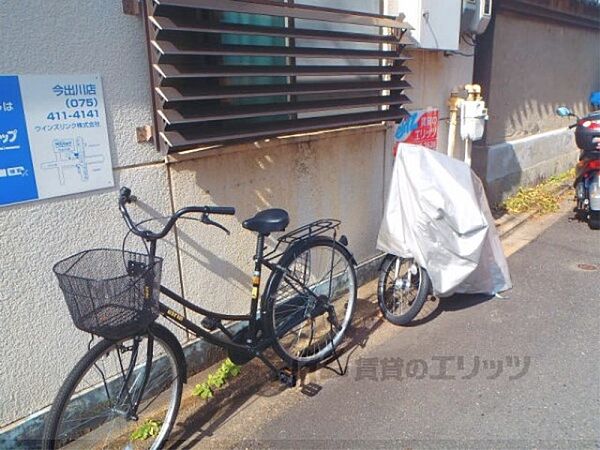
(53, 137)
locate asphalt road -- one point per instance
(520, 372)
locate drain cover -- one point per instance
(587, 266)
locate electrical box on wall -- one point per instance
(476, 16)
(436, 23)
(473, 115)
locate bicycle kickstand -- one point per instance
(342, 371)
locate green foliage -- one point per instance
(217, 380)
(569, 175)
(227, 370)
(527, 199)
(542, 197)
(148, 429)
(231, 368)
(203, 390)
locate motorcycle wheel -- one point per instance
(594, 220)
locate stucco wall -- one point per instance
(435, 75)
(338, 174)
(38, 342)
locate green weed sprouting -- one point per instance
(216, 380)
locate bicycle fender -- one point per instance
(177, 349)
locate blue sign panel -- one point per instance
(17, 177)
(53, 137)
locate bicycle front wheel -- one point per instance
(310, 302)
(120, 395)
(402, 289)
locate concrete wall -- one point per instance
(337, 174)
(532, 66)
(538, 66)
(523, 162)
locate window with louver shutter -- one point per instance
(228, 71)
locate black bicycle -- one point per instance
(133, 376)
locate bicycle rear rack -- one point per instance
(316, 228)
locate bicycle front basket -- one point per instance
(110, 293)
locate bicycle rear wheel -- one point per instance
(123, 394)
(309, 305)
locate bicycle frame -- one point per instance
(253, 322)
(252, 345)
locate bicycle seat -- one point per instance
(268, 221)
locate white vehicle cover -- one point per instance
(437, 213)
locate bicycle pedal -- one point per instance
(210, 324)
(288, 377)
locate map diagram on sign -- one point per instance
(70, 154)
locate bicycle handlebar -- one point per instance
(126, 197)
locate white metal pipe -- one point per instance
(468, 147)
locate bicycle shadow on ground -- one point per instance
(203, 424)
(200, 419)
(434, 307)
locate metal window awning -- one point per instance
(219, 76)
